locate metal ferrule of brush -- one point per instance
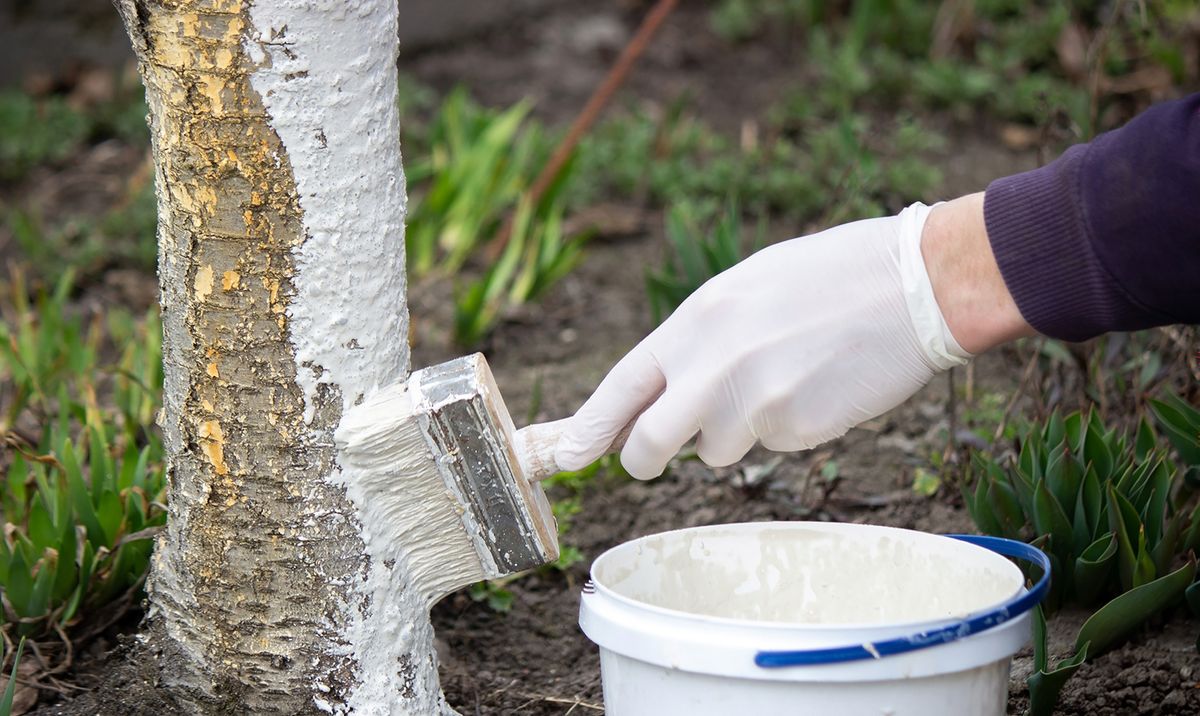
(466, 424)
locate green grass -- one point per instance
(1026, 62)
(470, 169)
(82, 460)
(700, 247)
(537, 256)
(35, 132)
(6, 700)
(470, 173)
(123, 237)
(47, 130)
(806, 169)
(846, 142)
(742, 20)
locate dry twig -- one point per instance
(573, 703)
(1012, 402)
(587, 116)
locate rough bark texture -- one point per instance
(282, 289)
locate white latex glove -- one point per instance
(792, 347)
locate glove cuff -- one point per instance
(936, 340)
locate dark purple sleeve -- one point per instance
(1107, 237)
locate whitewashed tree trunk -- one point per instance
(281, 267)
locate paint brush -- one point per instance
(443, 473)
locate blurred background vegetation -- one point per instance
(875, 99)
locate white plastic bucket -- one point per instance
(808, 618)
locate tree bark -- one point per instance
(281, 268)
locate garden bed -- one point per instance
(547, 356)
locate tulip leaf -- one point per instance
(1182, 425)
(1146, 440)
(1055, 431)
(1093, 567)
(64, 581)
(41, 529)
(978, 506)
(1023, 489)
(1049, 518)
(1063, 477)
(1156, 503)
(1143, 569)
(43, 584)
(1006, 508)
(1073, 428)
(109, 512)
(1029, 461)
(1115, 620)
(100, 462)
(1095, 448)
(129, 467)
(1171, 544)
(1041, 657)
(1123, 520)
(1191, 538)
(1045, 686)
(19, 588)
(1193, 598)
(81, 498)
(1093, 499)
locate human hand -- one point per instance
(792, 347)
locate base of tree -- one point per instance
(125, 683)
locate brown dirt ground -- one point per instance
(534, 660)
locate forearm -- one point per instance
(970, 291)
(1106, 237)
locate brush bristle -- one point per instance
(406, 510)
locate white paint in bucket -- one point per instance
(680, 616)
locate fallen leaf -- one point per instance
(24, 697)
(1154, 79)
(1072, 47)
(608, 221)
(1019, 136)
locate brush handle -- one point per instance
(535, 446)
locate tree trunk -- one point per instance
(281, 268)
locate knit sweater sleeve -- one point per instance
(1107, 237)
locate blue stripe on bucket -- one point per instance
(969, 625)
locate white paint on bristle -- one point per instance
(326, 73)
(412, 527)
(409, 513)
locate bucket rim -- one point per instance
(779, 626)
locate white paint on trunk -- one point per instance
(327, 77)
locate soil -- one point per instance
(547, 357)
